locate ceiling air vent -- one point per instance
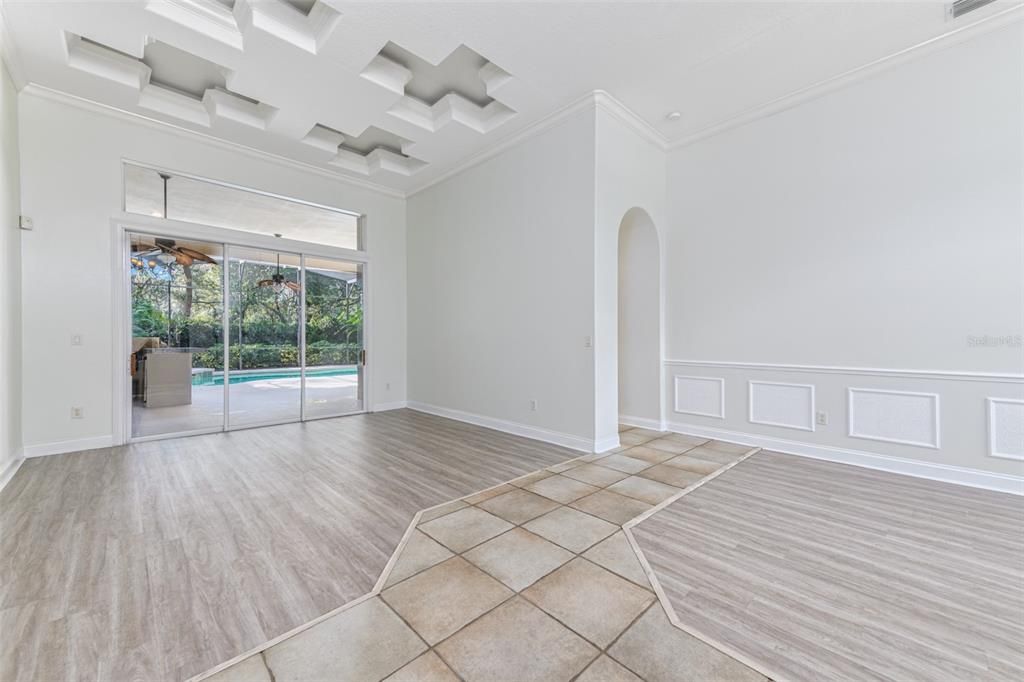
(962, 7)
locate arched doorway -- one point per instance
(640, 371)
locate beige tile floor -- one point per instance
(530, 580)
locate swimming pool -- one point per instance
(210, 378)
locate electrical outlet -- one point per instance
(588, 341)
(77, 413)
(821, 418)
(76, 339)
(533, 406)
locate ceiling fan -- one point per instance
(166, 251)
(278, 281)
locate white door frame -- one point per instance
(124, 223)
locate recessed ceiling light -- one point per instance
(673, 116)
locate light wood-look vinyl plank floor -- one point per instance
(825, 571)
(160, 560)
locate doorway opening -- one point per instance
(640, 375)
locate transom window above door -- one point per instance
(162, 194)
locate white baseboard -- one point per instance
(385, 407)
(606, 444)
(973, 478)
(642, 422)
(515, 428)
(9, 472)
(64, 446)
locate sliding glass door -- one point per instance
(264, 368)
(334, 337)
(228, 336)
(177, 303)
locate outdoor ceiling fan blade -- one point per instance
(294, 286)
(196, 255)
(265, 283)
(184, 259)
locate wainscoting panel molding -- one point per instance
(702, 396)
(1006, 428)
(894, 416)
(773, 403)
(880, 418)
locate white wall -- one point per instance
(630, 173)
(501, 288)
(878, 226)
(10, 279)
(640, 361)
(71, 187)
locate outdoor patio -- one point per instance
(251, 403)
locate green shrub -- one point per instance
(263, 356)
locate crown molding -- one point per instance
(607, 102)
(990, 23)
(587, 101)
(43, 92)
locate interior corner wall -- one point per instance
(630, 173)
(879, 228)
(71, 160)
(10, 283)
(501, 288)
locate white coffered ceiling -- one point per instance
(400, 93)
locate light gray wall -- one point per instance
(10, 280)
(501, 274)
(877, 226)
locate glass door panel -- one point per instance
(177, 351)
(264, 377)
(334, 337)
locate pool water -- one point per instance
(211, 379)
